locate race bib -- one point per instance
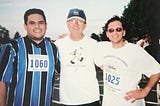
(112, 80)
(37, 62)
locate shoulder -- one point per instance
(52, 42)
(8, 49)
(133, 45)
(89, 40)
(133, 48)
(104, 44)
(61, 41)
(13, 44)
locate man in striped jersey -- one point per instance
(27, 68)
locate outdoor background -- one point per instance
(140, 17)
(97, 13)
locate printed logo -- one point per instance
(77, 56)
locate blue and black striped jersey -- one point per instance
(28, 69)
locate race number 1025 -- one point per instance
(113, 79)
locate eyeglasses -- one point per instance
(111, 30)
(73, 21)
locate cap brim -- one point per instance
(76, 17)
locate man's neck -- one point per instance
(76, 37)
(119, 44)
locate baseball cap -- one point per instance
(76, 13)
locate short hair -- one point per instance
(34, 11)
(114, 18)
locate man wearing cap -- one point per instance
(78, 54)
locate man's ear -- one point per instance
(106, 33)
(124, 32)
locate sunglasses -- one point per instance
(73, 21)
(112, 30)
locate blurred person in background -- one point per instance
(154, 48)
(144, 41)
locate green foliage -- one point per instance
(142, 17)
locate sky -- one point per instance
(56, 11)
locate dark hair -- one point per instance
(114, 18)
(33, 11)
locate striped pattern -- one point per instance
(27, 88)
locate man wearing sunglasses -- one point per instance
(124, 64)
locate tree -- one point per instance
(4, 35)
(141, 17)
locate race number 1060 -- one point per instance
(39, 63)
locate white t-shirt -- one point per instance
(78, 83)
(123, 70)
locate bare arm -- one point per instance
(62, 36)
(153, 80)
(2, 93)
(141, 93)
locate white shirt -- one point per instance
(123, 69)
(78, 83)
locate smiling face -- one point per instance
(115, 32)
(35, 27)
(76, 27)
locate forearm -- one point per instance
(152, 81)
(2, 93)
(141, 93)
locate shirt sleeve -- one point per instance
(6, 63)
(98, 55)
(146, 63)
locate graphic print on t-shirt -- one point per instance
(76, 56)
